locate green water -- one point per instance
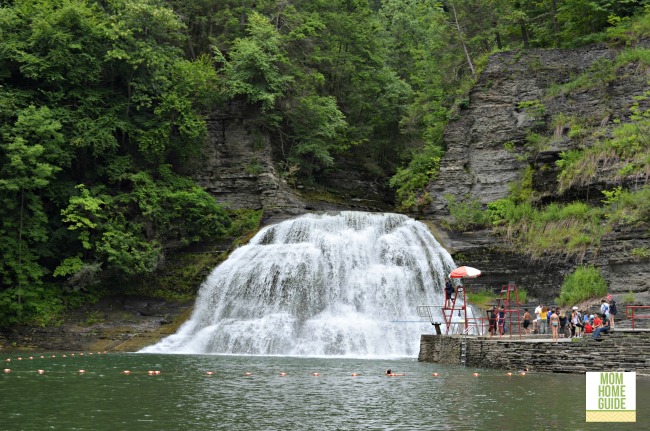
(183, 397)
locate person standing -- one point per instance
(492, 319)
(543, 325)
(526, 322)
(576, 324)
(612, 311)
(449, 291)
(555, 324)
(604, 308)
(501, 324)
(536, 326)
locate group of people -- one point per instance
(558, 321)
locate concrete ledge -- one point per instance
(620, 350)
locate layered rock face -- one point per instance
(236, 165)
(486, 143)
(487, 150)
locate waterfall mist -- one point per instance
(339, 284)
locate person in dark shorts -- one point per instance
(449, 292)
(492, 319)
(526, 322)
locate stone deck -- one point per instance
(620, 350)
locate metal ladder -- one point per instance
(463, 348)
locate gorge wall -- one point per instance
(487, 151)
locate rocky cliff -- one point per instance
(487, 150)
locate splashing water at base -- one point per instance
(343, 284)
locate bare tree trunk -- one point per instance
(556, 28)
(524, 34)
(462, 41)
(20, 243)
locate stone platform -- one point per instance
(620, 350)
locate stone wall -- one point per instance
(622, 350)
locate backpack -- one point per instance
(612, 307)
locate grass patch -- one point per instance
(628, 298)
(482, 298)
(584, 283)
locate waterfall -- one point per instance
(334, 284)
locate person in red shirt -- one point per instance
(588, 328)
(597, 322)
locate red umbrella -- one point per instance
(464, 272)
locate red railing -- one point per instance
(630, 312)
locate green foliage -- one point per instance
(466, 214)
(244, 222)
(641, 253)
(586, 282)
(521, 191)
(535, 109)
(410, 180)
(319, 128)
(570, 229)
(622, 155)
(629, 298)
(253, 67)
(482, 298)
(629, 208)
(522, 295)
(97, 94)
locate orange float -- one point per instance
(126, 372)
(434, 374)
(315, 374)
(7, 370)
(248, 373)
(209, 373)
(283, 374)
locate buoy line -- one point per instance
(207, 373)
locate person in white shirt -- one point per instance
(538, 310)
(604, 308)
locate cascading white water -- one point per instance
(322, 284)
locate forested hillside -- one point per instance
(102, 104)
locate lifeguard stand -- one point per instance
(509, 298)
(448, 312)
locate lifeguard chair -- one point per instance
(448, 312)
